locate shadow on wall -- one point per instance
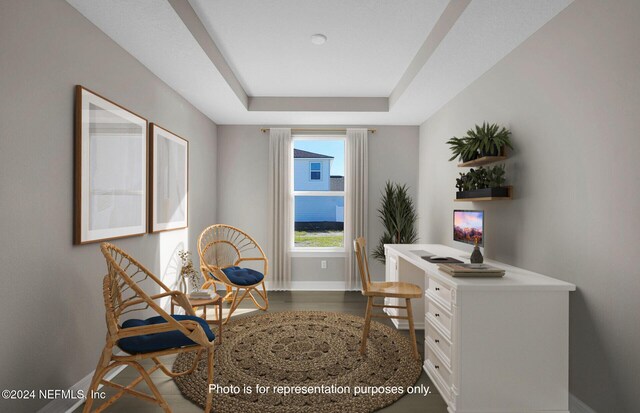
(171, 242)
(583, 324)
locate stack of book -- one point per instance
(471, 270)
(202, 294)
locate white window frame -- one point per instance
(311, 171)
(321, 251)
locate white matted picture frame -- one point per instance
(169, 188)
(110, 170)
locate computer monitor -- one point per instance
(467, 226)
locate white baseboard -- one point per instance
(403, 324)
(315, 286)
(69, 405)
(578, 406)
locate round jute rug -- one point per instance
(265, 356)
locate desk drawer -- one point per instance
(439, 372)
(440, 291)
(438, 341)
(439, 316)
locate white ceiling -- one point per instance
(371, 43)
(369, 46)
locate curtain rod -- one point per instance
(316, 130)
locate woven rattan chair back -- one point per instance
(121, 287)
(123, 294)
(221, 246)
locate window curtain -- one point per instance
(357, 193)
(280, 204)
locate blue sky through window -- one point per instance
(326, 147)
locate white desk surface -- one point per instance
(514, 278)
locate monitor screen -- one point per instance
(467, 226)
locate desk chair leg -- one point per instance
(412, 331)
(367, 324)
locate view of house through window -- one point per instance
(318, 185)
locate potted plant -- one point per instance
(462, 148)
(485, 140)
(490, 139)
(481, 183)
(398, 215)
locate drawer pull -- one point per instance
(437, 314)
(437, 288)
(437, 367)
(437, 341)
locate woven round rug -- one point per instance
(264, 358)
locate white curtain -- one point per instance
(357, 193)
(280, 204)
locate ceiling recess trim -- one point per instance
(442, 27)
(449, 17)
(200, 34)
(318, 104)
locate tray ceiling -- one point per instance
(252, 61)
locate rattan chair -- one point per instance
(397, 289)
(145, 339)
(222, 248)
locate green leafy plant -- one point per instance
(491, 177)
(461, 183)
(478, 178)
(485, 140)
(495, 176)
(464, 148)
(456, 145)
(490, 138)
(398, 215)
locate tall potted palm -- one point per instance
(398, 215)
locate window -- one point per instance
(316, 171)
(318, 194)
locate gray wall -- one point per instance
(243, 158)
(51, 297)
(571, 96)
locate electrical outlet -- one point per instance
(323, 264)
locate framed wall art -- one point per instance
(110, 168)
(169, 187)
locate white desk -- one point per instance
(491, 344)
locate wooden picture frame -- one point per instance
(110, 170)
(169, 186)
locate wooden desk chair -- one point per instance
(222, 248)
(385, 290)
(145, 339)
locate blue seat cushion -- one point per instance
(243, 276)
(148, 343)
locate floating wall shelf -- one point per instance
(485, 160)
(488, 198)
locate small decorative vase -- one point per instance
(476, 255)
